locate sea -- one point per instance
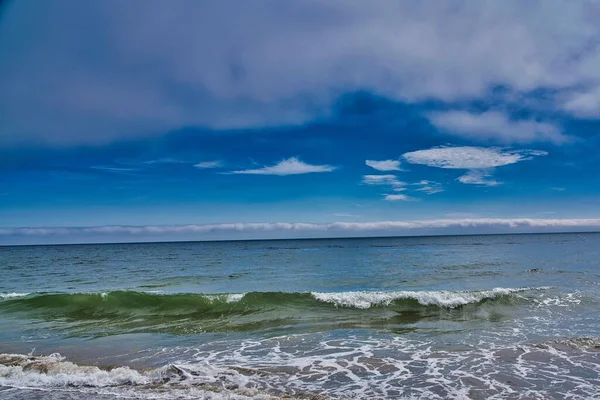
(449, 317)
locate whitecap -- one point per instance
(12, 295)
(441, 298)
(235, 297)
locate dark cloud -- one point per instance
(77, 72)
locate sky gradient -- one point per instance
(196, 120)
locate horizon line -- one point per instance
(395, 236)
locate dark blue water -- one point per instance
(510, 316)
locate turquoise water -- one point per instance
(508, 316)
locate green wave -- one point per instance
(130, 311)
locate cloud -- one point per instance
(291, 166)
(397, 197)
(387, 179)
(497, 126)
(429, 187)
(385, 165)
(480, 161)
(282, 227)
(115, 169)
(468, 157)
(584, 104)
(209, 164)
(254, 74)
(478, 177)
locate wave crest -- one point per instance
(184, 313)
(12, 295)
(228, 301)
(440, 298)
(166, 382)
(53, 370)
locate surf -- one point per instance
(116, 312)
(134, 300)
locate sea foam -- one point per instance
(43, 371)
(12, 295)
(441, 298)
(183, 382)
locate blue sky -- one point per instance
(143, 120)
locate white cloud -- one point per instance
(429, 187)
(480, 161)
(512, 223)
(209, 164)
(497, 126)
(479, 177)
(387, 179)
(291, 166)
(385, 165)
(397, 197)
(115, 169)
(468, 157)
(585, 104)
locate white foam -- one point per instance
(235, 297)
(402, 368)
(228, 298)
(567, 300)
(347, 366)
(53, 371)
(12, 295)
(440, 298)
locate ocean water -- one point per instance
(465, 317)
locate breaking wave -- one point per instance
(12, 295)
(230, 301)
(171, 381)
(126, 311)
(442, 298)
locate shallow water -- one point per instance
(510, 316)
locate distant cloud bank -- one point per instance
(333, 228)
